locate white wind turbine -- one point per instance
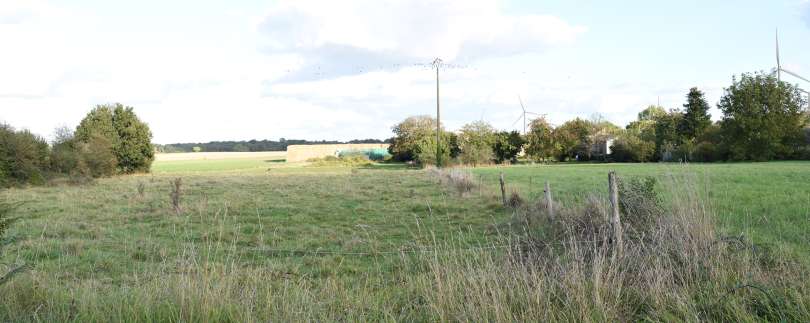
(780, 69)
(523, 115)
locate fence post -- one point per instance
(615, 221)
(549, 202)
(503, 191)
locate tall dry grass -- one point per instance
(675, 267)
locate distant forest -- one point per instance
(253, 145)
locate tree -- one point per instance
(507, 146)
(23, 157)
(98, 122)
(667, 137)
(409, 134)
(573, 139)
(82, 160)
(475, 140)
(129, 138)
(425, 151)
(696, 116)
(762, 118)
(134, 149)
(628, 147)
(540, 143)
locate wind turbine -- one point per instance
(780, 69)
(523, 115)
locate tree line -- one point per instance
(109, 140)
(762, 119)
(253, 145)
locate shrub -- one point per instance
(23, 157)
(175, 194)
(460, 180)
(129, 138)
(507, 146)
(83, 160)
(476, 140)
(426, 151)
(631, 148)
(639, 203)
(706, 152)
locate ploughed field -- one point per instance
(320, 242)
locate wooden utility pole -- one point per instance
(437, 63)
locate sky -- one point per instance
(199, 70)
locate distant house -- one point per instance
(600, 148)
(600, 145)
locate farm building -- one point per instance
(300, 153)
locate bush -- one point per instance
(706, 152)
(631, 148)
(507, 146)
(23, 157)
(639, 203)
(460, 180)
(426, 151)
(476, 140)
(129, 138)
(83, 160)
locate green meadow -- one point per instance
(257, 239)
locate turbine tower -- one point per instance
(523, 115)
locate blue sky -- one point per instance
(234, 70)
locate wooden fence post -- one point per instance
(549, 202)
(503, 191)
(615, 221)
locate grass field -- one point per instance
(769, 202)
(261, 240)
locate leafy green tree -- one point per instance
(455, 149)
(475, 140)
(696, 116)
(629, 147)
(196, 149)
(23, 157)
(644, 126)
(762, 118)
(667, 137)
(426, 150)
(82, 160)
(573, 140)
(129, 138)
(98, 122)
(409, 134)
(540, 144)
(507, 146)
(134, 149)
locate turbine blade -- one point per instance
(796, 75)
(778, 63)
(516, 121)
(521, 104)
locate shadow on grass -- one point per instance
(275, 161)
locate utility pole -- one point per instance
(437, 63)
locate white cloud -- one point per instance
(343, 37)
